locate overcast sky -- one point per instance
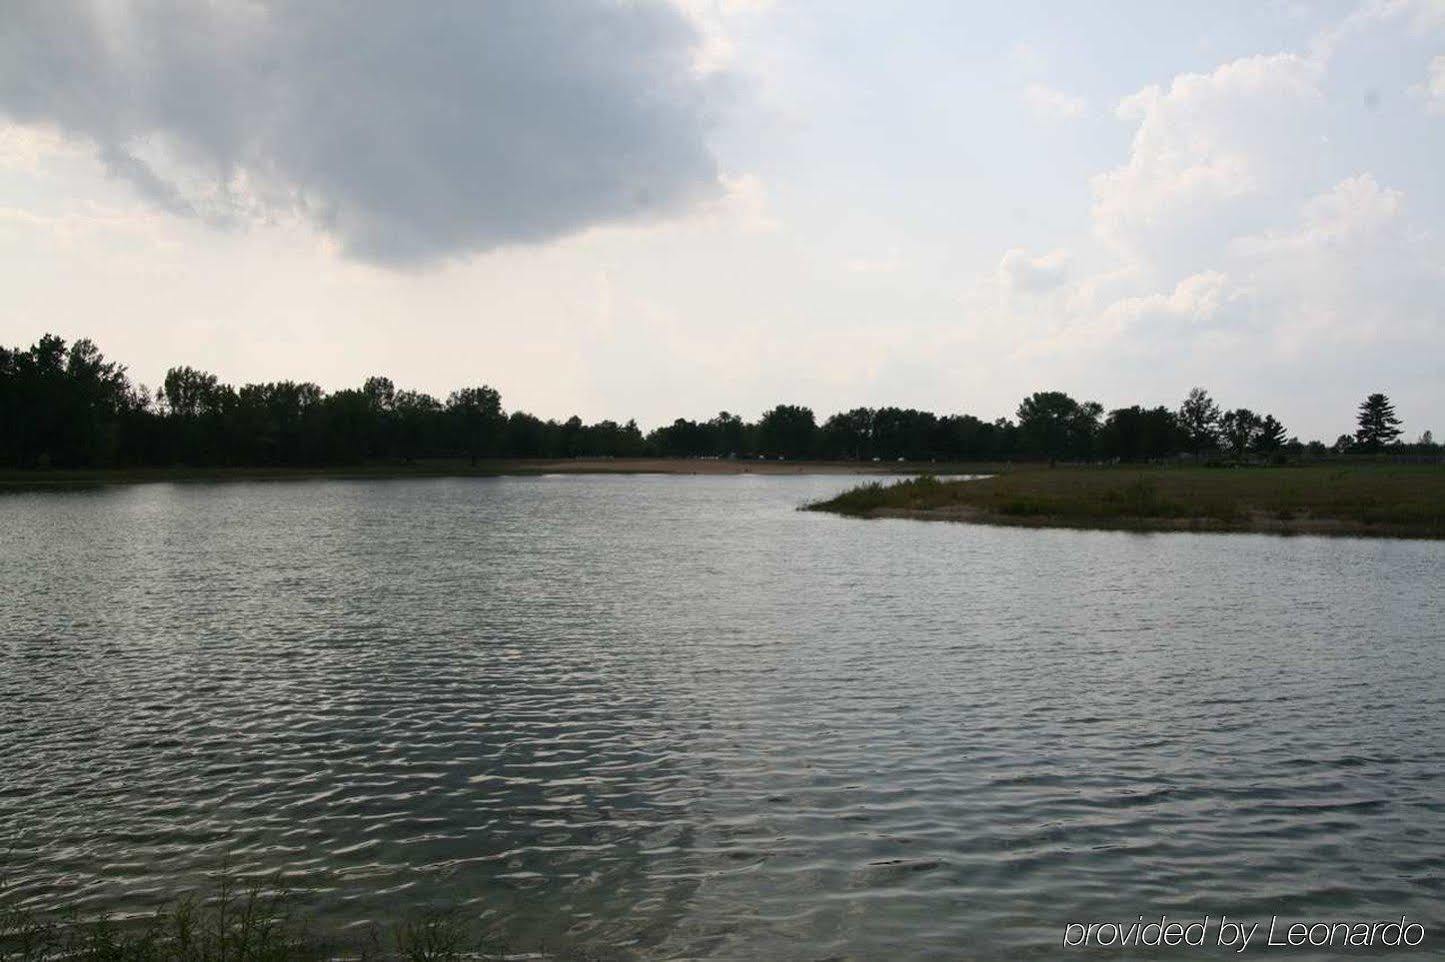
(652, 209)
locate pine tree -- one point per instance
(1378, 424)
(1271, 436)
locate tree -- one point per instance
(682, 439)
(380, 393)
(199, 409)
(1240, 430)
(380, 419)
(417, 415)
(967, 438)
(727, 431)
(1270, 437)
(1199, 418)
(1378, 425)
(849, 435)
(788, 430)
(64, 404)
(903, 433)
(188, 392)
(1136, 433)
(1057, 426)
(476, 413)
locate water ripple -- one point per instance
(673, 717)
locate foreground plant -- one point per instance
(233, 924)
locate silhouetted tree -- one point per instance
(527, 436)
(189, 392)
(1239, 430)
(1199, 418)
(63, 406)
(1136, 433)
(966, 438)
(729, 435)
(1056, 426)
(904, 433)
(380, 416)
(788, 431)
(682, 439)
(1270, 437)
(417, 423)
(848, 435)
(380, 393)
(66, 405)
(1378, 425)
(476, 415)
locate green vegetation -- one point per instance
(251, 924)
(65, 407)
(1382, 500)
(1378, 426)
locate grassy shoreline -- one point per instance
(1394, 501)
(461, 468)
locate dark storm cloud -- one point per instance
(411, 132)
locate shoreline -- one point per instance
(1260, 523)
(17, 479)
(1367, 501)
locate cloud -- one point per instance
(1433, 90)
(1019, 272)
(1196, 298)
(28, 148)
(1417, 17)
(717, 50)
(743, 205)
(1250, 239)
(410, 133)
(889, 263)
(1204, 148)
(1053, 104)
(1354, 211)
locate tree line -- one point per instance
(68, 406)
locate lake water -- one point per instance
(673, 715)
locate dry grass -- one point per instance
(1385, 500)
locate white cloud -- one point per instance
(743, 206)
(1204, 147)
(889, 263)
(1019, 272)
(1246, 243)
(1354, 211)
(1433, 90)
(410, 133)
(1417, 17)
(1195, 298)
(27, 147)
(1054, 104)
(717, 49)
(1254, 228)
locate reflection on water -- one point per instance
(673, 715)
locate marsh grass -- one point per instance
(921, 492)
(254, 923)
(1396, 500)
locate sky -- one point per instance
(632, 209)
